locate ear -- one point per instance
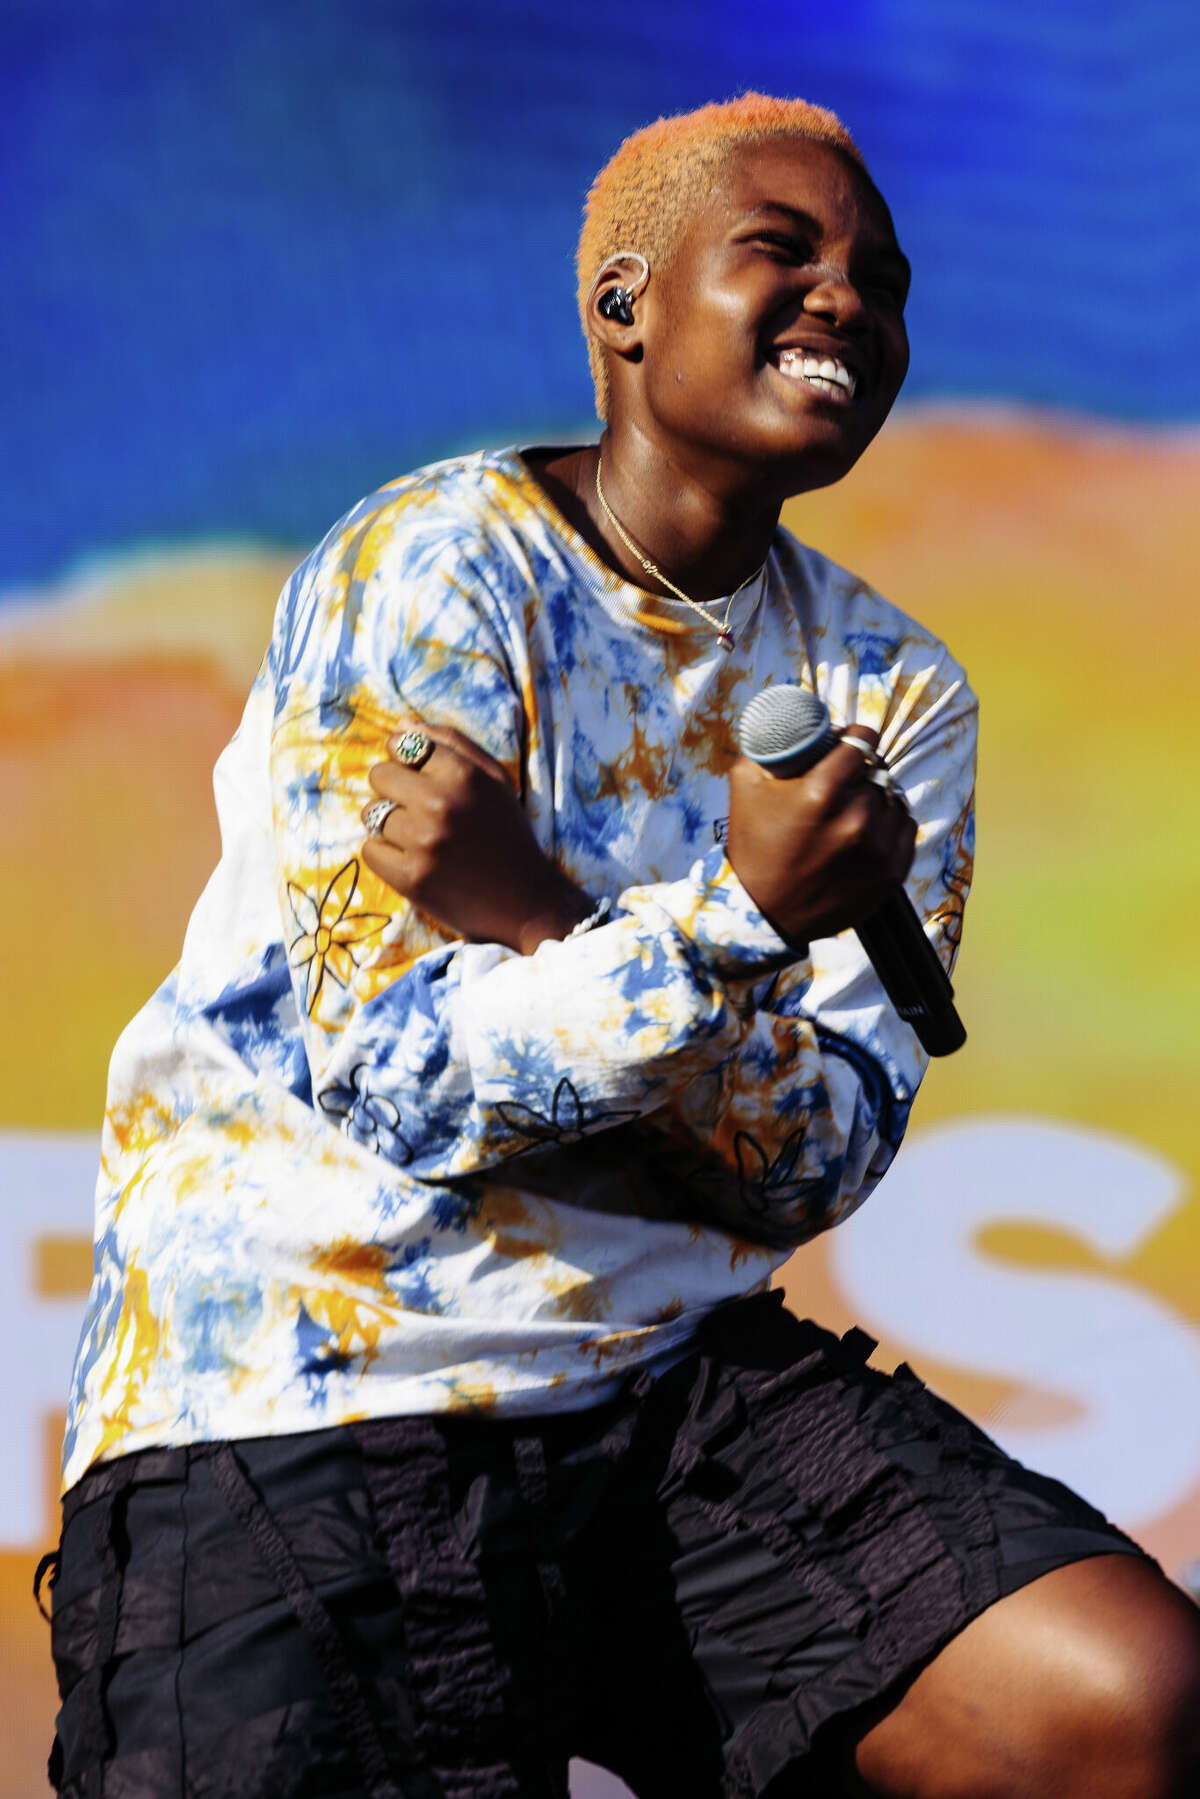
(631, 273)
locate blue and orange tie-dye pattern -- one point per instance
(352, 1168)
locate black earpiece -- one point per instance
(615, 305)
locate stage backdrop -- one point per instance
(265, 256)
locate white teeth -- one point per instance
(821, 372)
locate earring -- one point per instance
(615, 305)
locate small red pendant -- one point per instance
(725, 641)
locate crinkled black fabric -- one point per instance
(699, 1585)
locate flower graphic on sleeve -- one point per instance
(369, 1118)
(329, 933)
(566, 1123)
(766, 1185)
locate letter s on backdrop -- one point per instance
(911, 1267)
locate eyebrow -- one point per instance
(886, 252)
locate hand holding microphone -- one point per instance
(831, 850)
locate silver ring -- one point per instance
(377, 815)
(874, 759)
(878, 773)
(414, 749)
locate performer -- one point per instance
(432, 1421)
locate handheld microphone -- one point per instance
(786, 730)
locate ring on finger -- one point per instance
(377, 815)
(878, 773)
(413, 748)
(868, 752)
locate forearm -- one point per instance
(788, 1133)
(780, 1104)
(482, 1052)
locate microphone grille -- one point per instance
(781, 721)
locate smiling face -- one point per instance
(773, 345)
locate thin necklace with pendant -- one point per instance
(721, 627)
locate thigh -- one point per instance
(182, 1664)
(1084, 1683)
(809, 1534)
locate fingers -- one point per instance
(385, 860)
(845, 770)
(849, 787)
(851, 770)
(376, 814)
(448, 738)
(905, 846)
(392, 781)
(868, 804)
(442, 766)
(439, 797)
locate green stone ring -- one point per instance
(413, 749)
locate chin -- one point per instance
(822, 464)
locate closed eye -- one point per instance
(890, 285)
(784, 246)
(888, 277)
(892, 291)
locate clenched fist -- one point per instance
(822, 851)
(458, 844)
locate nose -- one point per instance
(834, 296)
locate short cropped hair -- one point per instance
(645, 197)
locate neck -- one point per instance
(697, 531)
(706, 533)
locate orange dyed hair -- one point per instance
(644, 198)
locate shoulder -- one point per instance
(412, 604)
(435, 554)
(872, 661)
(446, 507)
(846, 609)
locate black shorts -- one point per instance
(699, 1585)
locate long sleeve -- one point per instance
(452, 1059)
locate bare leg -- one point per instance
(1083, 1685)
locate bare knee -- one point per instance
(1084, 1685)
(1137, 1701)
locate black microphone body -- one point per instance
(786, 730)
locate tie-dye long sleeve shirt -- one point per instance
(353, 1168)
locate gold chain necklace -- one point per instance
(724, 634)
